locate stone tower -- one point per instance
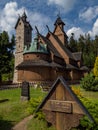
(23, 38)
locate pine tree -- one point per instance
(6, 53)
(72, 43)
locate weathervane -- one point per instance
(23, 9)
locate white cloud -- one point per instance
(8, 16)
(76, 30)
(94, 30)
(89, 13)
(39, 20)
(66, 5)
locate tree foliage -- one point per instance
(89, 82)
(96, 67)
(72, 43)
(6, 53)
(86, 45)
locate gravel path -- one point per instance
(23, 124)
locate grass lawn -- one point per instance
(90, 95)
(14, 110)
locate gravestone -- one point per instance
(61, 106)
(25, 91)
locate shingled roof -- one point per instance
(50, 46)
(70, 55)
(36, 46)
(69, 66)
(77, 55)
(41, 63)
(84, 68)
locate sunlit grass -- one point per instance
(14, 110)
(88, 94)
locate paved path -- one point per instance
(23, 124)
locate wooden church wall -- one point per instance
(37, 74)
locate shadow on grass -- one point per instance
(5, 125)
(4, 100)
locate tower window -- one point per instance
(19, 38)
(19, 23)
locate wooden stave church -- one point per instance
(47, 57)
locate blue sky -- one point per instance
(80, 16)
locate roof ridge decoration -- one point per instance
(37, 30)
(24, 14)
(59, 21)
(48, 28)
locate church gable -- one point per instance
(60, 34)
(58, 31)
(59, 40)
(65, 53)
(53, 40)
(50, 45)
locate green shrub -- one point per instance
(85, 123)
(36, 124)
(38, 116)
(33, 104)
(89, 82)
(95, 70)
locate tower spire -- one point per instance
(24, 16)
(58, 15)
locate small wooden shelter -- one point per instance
(62, 108)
